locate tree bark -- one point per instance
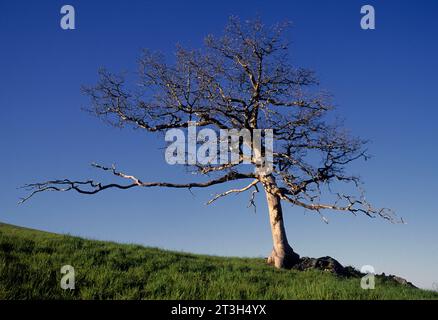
(282, 255)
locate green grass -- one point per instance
(30, 263)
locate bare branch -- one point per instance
(252, 198)
(354, 206)
(220, 195)
(92, 187)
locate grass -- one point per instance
(30, 263)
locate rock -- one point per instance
(324, 263)
(398, 280)
(352, 272)
(331, 265)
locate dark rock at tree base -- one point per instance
(324, 263)
(331, 265)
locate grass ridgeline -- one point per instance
(30, 263)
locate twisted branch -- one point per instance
(92, 187)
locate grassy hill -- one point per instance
(30, 263)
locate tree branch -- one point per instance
(220, 195)
(92, 187)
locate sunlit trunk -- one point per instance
(282, 255)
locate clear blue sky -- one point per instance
(384, 82)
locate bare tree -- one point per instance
(241, 80)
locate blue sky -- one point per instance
(384, 82)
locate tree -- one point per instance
(241, 80)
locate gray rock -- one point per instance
(397, 279)
(331, 265)
(324, 263)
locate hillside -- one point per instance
(30, 263)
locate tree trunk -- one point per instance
(282, 255)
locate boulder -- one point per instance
(324, 263)
(331, 265)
